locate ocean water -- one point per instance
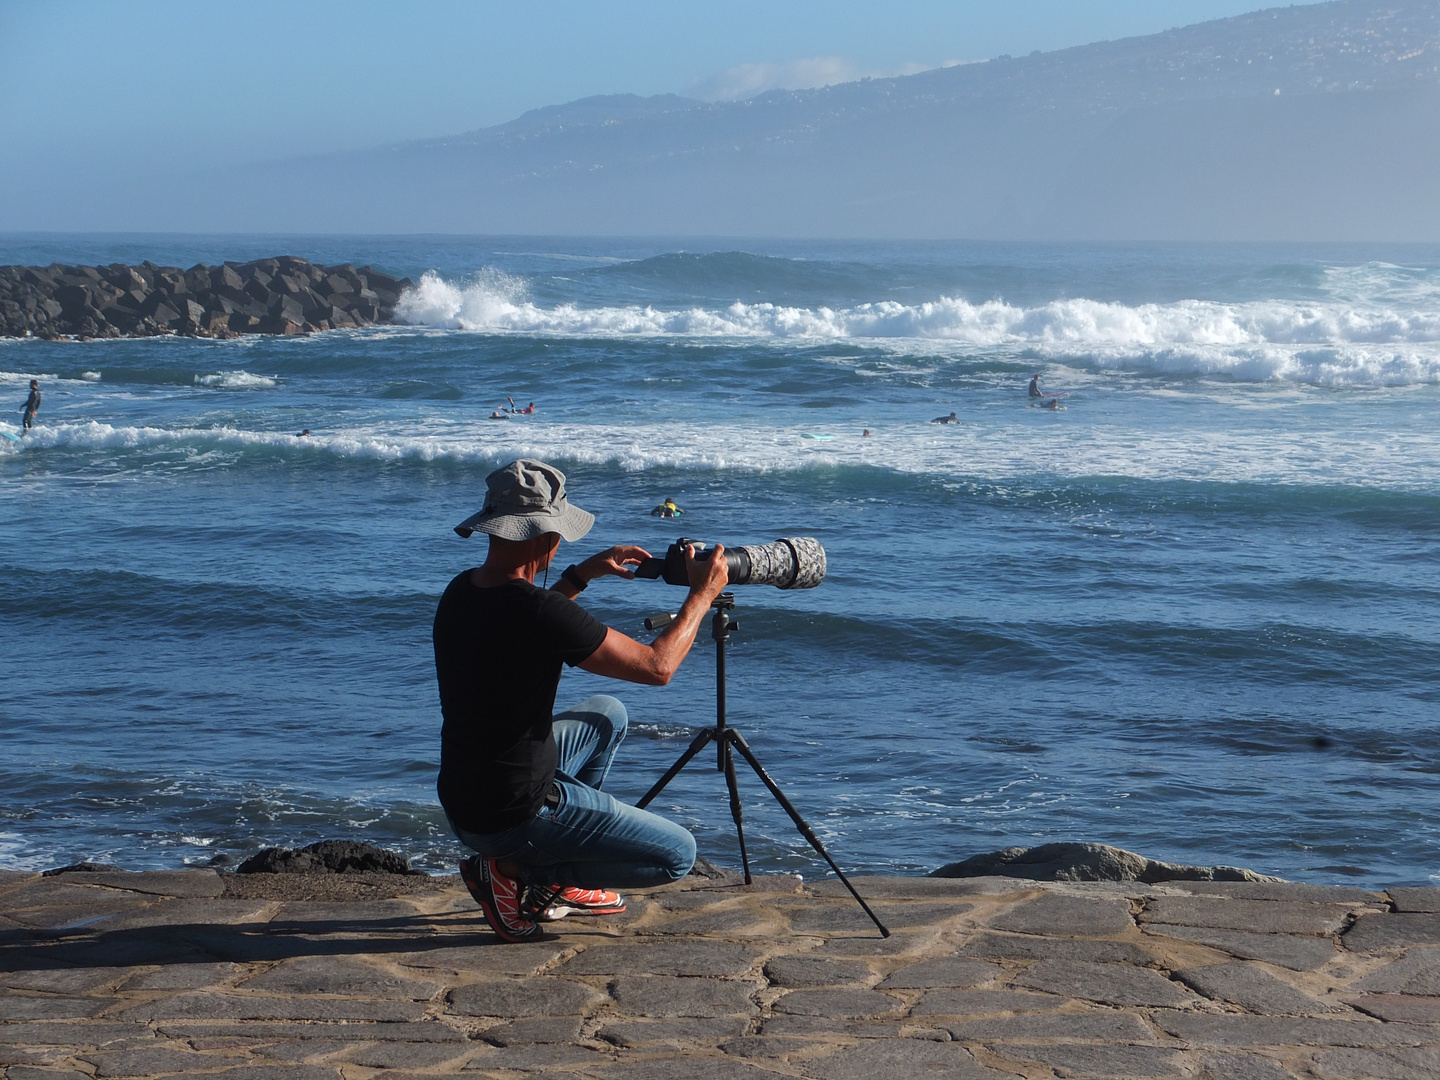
(1191, 614)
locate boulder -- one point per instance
(226, 276)
(1087, 862)
(328, 857)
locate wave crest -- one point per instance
(1328, 342)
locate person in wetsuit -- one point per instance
(32, 405)
(521, 783)
(667, 509)
(951, 419)
(1035, 390)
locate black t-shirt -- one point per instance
(498, 652)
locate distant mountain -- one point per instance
(1312, 122)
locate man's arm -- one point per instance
(622, 657)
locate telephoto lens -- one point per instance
(793, 562)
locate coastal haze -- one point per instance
(1312, 122)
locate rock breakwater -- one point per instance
(283, 295)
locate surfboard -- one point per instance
(807, 435)
(12, 438)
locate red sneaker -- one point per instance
(580, 902)
(499, 900)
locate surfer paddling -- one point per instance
(32, 405)
(951, 419)
(667, 509)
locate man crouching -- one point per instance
(520, 783)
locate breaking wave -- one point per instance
(1325, 342)
(997, 452)
(235, 380)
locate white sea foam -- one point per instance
(235, 380)
(1056, 446)
(91, 376)
(1323, 342)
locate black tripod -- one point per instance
(727, 737)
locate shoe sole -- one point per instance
(481, 897)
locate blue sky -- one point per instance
(160, 83)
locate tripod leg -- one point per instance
(735, 810)
(695, 747)
(800, 823)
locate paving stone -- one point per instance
(77, 1034)
(1283, 950)
(511, 959)
(355, 917)
(1068, 915)
(407, 1055)
(149, 1062)
(183, 977)
(294, 1051)
(78, 916)
(663, 957)
(1262, 916)
(1399, 1008)
(1242, 1067)
(689, 1067)
(1113, 984)
(661, 1034)
(819, 918)
(425, 1031)
(1098, 1024)
(536, 1058)
(62, 892)
(737, 922)
(768, 1047)
(1398, 1064)
(1005, 947)
(976, 1002)
(13, 1055)
(1417, 972)
(15, 1007)
(1376, 933)
(190, 883)
(830, 1027)
(30, 1072)
(664, 995)
(798, 972)
(274, 1072)
(947, 971)
(1424, 898)
(1233, 1029)
(1280, 890)
(64, 980)
(535, 1029)
(1252, 988)
(543, 996)
(1099, 1061)
(202, 1006)
(339, 975)
(881, 887)
(900, 1059)
(900, 943)
(188, 912)
(843, 1004)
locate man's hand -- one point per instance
(708, 577)
(616, 562)
(622, 657)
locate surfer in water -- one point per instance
(951, 419)
(667, 509)
(32, 404)
(1035, 390)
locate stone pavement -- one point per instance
(194, 973)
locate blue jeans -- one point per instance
(591, 840)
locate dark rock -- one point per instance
(1087, 862)
(328, 857)
(80, 868)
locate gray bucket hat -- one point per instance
(527, 499)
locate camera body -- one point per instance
(796, 562)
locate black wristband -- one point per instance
(572, 575)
